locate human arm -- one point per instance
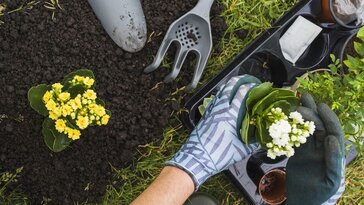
(172, 186)
(211, 148)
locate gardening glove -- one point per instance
(214, 144)
(315, 173)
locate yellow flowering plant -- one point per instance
(69, 107)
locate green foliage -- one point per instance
(54, 140)
(206, 102)
(342, 91)
(10, 197)
(35, 95)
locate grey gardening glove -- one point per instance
(215, 144)
(315, 174)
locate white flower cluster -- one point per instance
(287, 132)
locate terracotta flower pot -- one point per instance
(272, 187)
(328, 15)
(326, 11)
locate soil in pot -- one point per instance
(349, 50)
(272, 187)
(35, 49)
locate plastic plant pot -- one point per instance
(328, 15)
(316, 51)
(266, 67)
(341, 47)
(272, 187)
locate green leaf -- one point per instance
(75, 90)
(205, 103)
(100, 102)
(61, 141)
(352, 63)
(71, 122)
(80, 72)
(257, 93)
(54, 140)
(360, 33)
(35, 98)
(47, 134)
(108, 112)
(277, 94)
(349, 128)
(245, 129)
(333, 68)
(359, 48)
(283, 104)
(332, 57)
(263, 134)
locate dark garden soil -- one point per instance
(35, 49)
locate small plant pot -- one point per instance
(315, 52)
(265, 66)
(272, 187)
(328, 15)
(345, 46)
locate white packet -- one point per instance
(297, 38)
(346, 10)
(360, 14)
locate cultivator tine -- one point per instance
(160, 55)
(179, 60)
(201, 63)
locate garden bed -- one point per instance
(36, 49)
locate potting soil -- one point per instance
(35, 49)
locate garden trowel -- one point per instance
(124, 21)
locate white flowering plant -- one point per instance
(69, 107)
(286, 132)
(272, 121)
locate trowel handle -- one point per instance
(124, 21)
(203, 8)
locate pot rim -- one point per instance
(284, 197)
(341, 54)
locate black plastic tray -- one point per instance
(263, 58)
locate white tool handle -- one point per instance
(124, 21)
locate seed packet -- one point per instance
(297, 38)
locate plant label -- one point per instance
(297, 38)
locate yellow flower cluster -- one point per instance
(62, 127)
(87, 81)
(81, 110)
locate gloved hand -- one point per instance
(214, 144)
(315, 174)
